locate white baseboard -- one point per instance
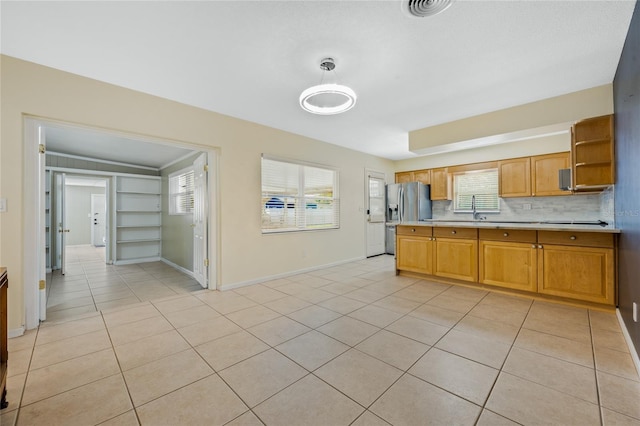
(139, 260)
(287, 274)
(178, 267)
(627, 338)
(16, 332)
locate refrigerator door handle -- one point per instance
(400, 204)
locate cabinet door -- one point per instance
(515, 177)
(439, 184)
(583, 273)
(510, 265)
(544, 173)
(422, 176)
(404, 177)
(414, 254)
(456, 258)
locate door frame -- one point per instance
(368, 172)
(34, 256)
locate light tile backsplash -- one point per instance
(579, 207)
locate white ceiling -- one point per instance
(251, 59)
(63, 139)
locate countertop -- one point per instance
(536, 226)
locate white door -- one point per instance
(375, 191)
(200, 261)
(61, 223)
(98, 215)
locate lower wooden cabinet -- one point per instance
(414, 254)
(575, 265)
(456, 258)
(510, 265)
(584, 273)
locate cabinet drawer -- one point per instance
(451, 232)
(568, 238)
(514, 235)
(423, 231)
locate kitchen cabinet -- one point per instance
(592, 153)
(422, 176)
(577, 265)
(515, 177)
(456, 253)
(544, 174)
(440, 184)
(508, 258)
(404, 177)
(414, 249)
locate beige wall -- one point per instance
(244, 253)
(567, 108)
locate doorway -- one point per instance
(37, 132)
(375, 202)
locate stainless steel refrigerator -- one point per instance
(408, 202)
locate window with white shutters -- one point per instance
(181, 192)
(298, 196)
(483, 184)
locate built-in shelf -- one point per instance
(592, 141)
(138, 230)
(599, 163)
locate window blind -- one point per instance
(481, 183)
(297, 196)
(181, 192)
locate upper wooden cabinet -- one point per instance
(544, 173)
(404, 177)
(439, 184)
(592, 153)
(514, 177)
(532, 176)
(422, 176)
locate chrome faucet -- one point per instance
(476, 215)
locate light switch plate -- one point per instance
(3, 205)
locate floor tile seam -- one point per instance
(26, 377)
(595, 371)
(318, 367)
(67, 337)
(598, 405)
(92, 303)
(560, 337)
(383, 361)
(365, 412)
(341, 392)
(65, 391)
(455, 394)
(60, 392)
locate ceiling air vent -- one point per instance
(422, 8)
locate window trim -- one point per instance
(300, 163)
(454, 191)
(171, 196)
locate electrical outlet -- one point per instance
(635, 312)
(526, 206)
(3, 205)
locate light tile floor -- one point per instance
(90, 285)
(347, 345)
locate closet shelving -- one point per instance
(138, 219)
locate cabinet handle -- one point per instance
(573, 237)
(539, 246)
(413, 229)
(506, 234)
(533, 246)
(453, 232)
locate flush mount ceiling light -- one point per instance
(423, 8)
(328, 98)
